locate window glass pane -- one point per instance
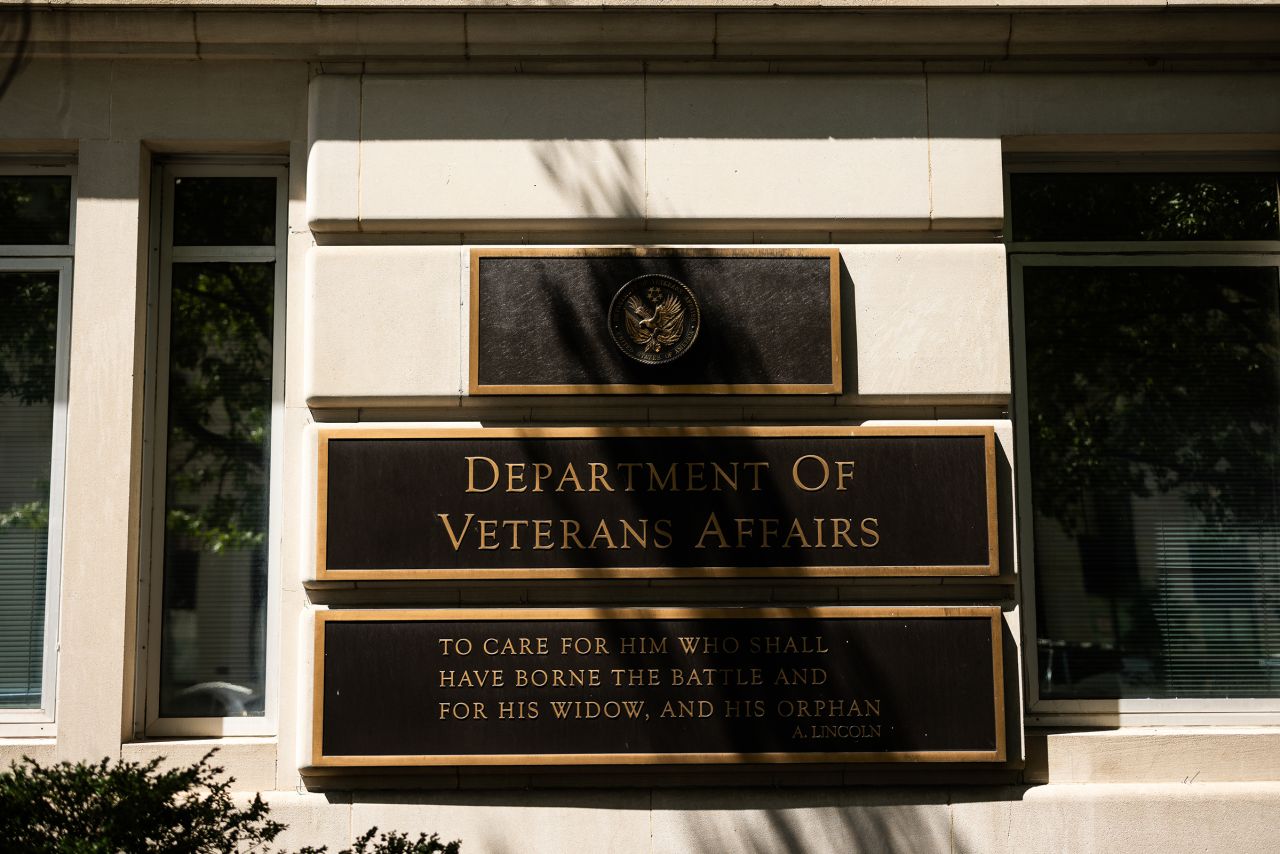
(1144, 206)
(224, 211)
(28, 340)
(1154, 405)
(35, 209)
(215, 572)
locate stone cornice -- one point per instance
(1027, 34)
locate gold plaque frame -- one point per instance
(835, 386)
(324, 573)
(991, 612)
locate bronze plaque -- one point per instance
(752, 321)
(632, 686)
(407, 503)
(654, 319)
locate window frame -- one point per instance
(1103, 711)
(162, 256)
(57, 258)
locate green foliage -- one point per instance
(106, 808)
(1144, 206)
(400, 843)
(28, 335)
(33, 515)
(220, 364)
(1148, 380)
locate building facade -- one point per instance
(229, 233)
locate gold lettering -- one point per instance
(755, 473)
(795, 472)
(570, 474)
(471, 679)
(641, 536)
(840, 531)
(602, 532)
(541, 471)
(633, 677)
(515, 475)
(662, 534)
(584, 646)
(471, 474)
(797, 531)
(721, 475)
(768, 531)
(566, 534)
(542, 534)
(694, 474)
(630, 469)
(598, 473)
(712, 526)
(448, 527)
(870, 531)
(517, 710)
(844, 471)
(668, 482)
(488, 534)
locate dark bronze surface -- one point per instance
(867, 685)
(541, 322)
(746, 501)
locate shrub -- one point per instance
(399, 843)
(106, 808)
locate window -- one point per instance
(1147, 354)
(217, 401)
(36, 234)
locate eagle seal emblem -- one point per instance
(654, 319)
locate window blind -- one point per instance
(1154, 405)
(28, 342)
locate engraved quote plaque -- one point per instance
(655, 686)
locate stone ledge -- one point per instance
(251, 761)
(1206, 754)
(844, 31)
(364, 5)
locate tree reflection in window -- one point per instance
(1144, 206)
(1153, 405)
(217, 468)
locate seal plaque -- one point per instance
(654, 319)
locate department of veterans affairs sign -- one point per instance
(406, 503)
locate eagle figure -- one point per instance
(661, 328)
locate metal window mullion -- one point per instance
(37, 250)
(1112, 163)
(159, 419)
(57, 491)
(275, 483)
(1022, 466)
(215, 254)
(1153, 247)
(41, 721)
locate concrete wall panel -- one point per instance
(927, 320)
(453, 151)
(383, 323)
(783, 148)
